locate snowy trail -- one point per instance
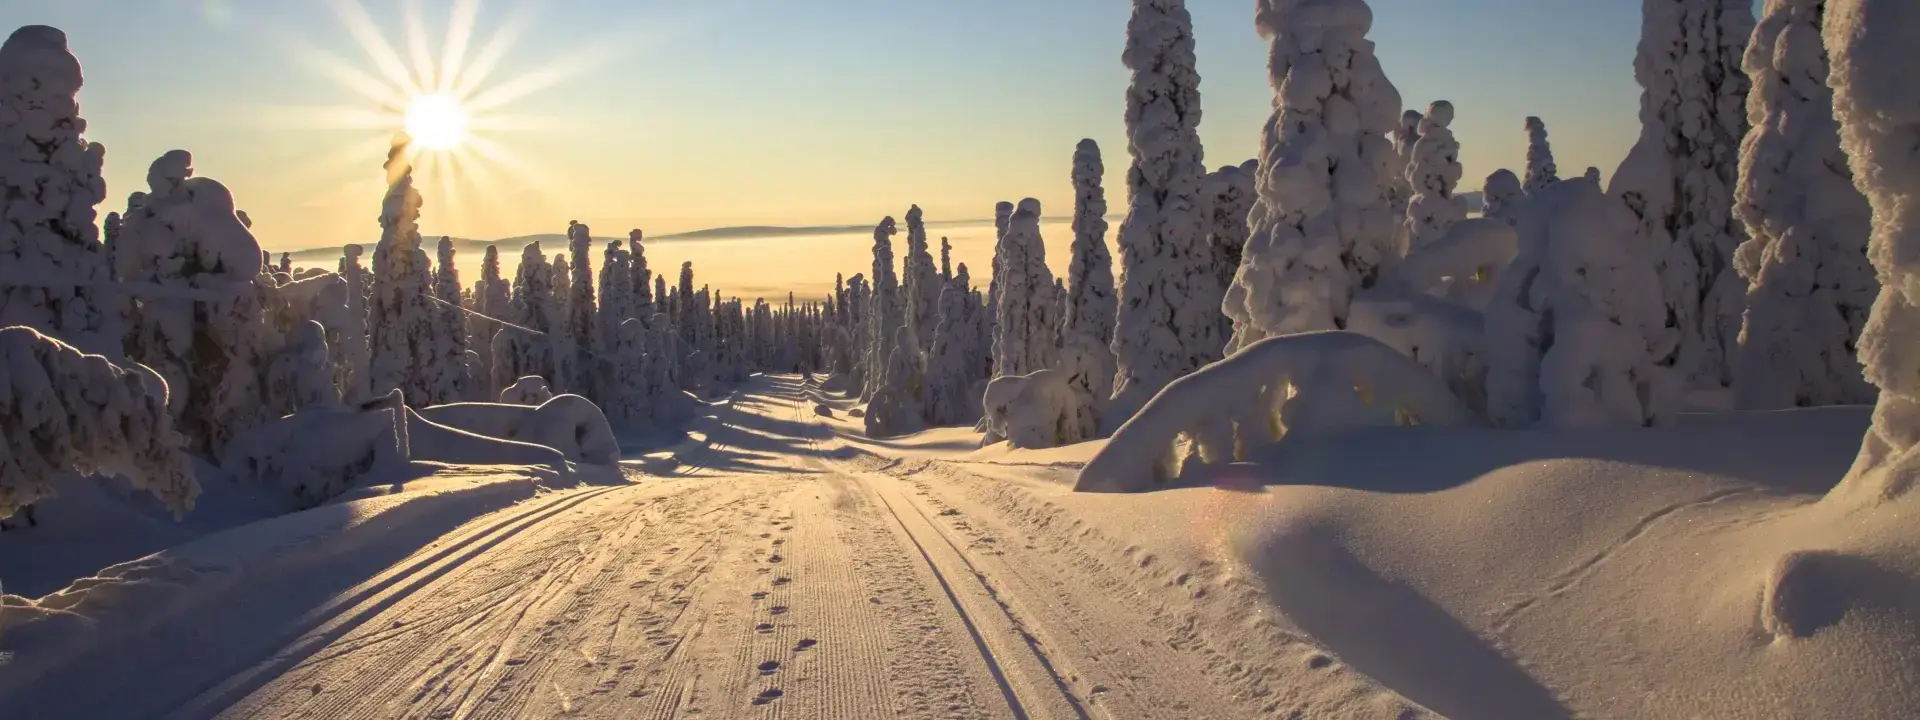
(782, 574)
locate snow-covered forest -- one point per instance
(1745, 265)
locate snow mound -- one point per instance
(1564, 573)
(570, 424)
(1308, 381)
(1038, 410)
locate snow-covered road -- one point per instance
(785, 571)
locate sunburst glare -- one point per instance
(436, 121)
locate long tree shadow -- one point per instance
(1747, 447)
(1391, 633)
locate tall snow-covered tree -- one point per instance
(1086, 334)
(349, 344)
(920, 282)
(1679, 177)
(643, 295)
(1434, 174)
(54, 273)
(1810, 285)
(1400, 188)
(582, 315)
(886, 313)
(492, 302)
(1541, 171)
(1169, 295)
(1323, 223)
(1572, 335)
(1002, 214)
(1230, 197)
(400, 318)
(1024, 341)
(1593, 173)
(527, 348)
(1871, 42)
(1502, 196)
(949, 375)
(946, 263)
(203, 327)
(616, 293)
(453, 380)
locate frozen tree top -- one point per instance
(38, 54)
(1439, 115)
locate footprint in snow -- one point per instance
(767, 668)
(768, 695)
(805, 644)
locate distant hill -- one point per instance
(556, 242)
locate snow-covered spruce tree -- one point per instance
(526, 349)
(1874, 66)
(1593, 174)
(492, 302)
(1541, 171)
(54, 272)
(1503, 195)
(920, 282)
(946, 263)
(1810, 285)
(1002, 214)
(286, 263)
(643, 295)
(1086, 334)
(301, 375)
(582, 315)
(202, 325)
(886, 312)
(616, 292)
(454, 378)
(896, 408)
(686, 318)
(1572, 334)
(626, 393)
(1679, 177)
(949, 377)
(63, 413)
(1323, 222)
(1230, 199)
(1434, 174)
(1170, 296)
(400, 318)
(1400, 190)
(1023, 340)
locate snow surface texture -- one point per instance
(1874, 66)
(570, 424)
(1572, 335)
(1169, 322)
(1324, 223)
(1304, 382)
(1433, 175)
(1810, 285)
(55, 276)
(63, 412)
(1541, 171)
(1036, 411)
(1024, 342)
(1679, 177)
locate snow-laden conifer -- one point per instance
(920, 282)
(400, 315)
(1023, 340)
(63, 412)
(1169, 294)
(1679, 177)
(1540, 168)
(451, 377)
(886, 312)
(1322, 224)
(1230, 199)
(1503, 195)
(582, 316)
(1434, 174)
(1810, 285)
(54, 273)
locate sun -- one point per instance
(436, 121)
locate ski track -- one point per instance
(779, 575)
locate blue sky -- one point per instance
(802, 112)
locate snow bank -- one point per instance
(318, 453)
(64, 412)
(1308, 381)
(570, 424)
